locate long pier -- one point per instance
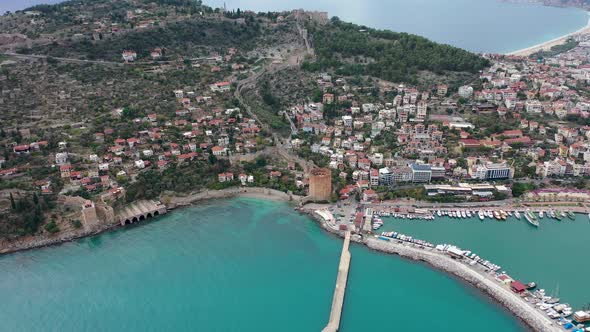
(340, 290)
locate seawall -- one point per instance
(485, 283)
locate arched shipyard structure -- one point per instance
(140, 211)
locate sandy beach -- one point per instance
(545, 46)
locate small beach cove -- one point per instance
(194, 266)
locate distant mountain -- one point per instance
(584, 4)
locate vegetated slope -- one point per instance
(392, 56)
(182, 37)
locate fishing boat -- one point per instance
(530, 217)
(558, 215)
(481, 215)
(377, 223)
(571, 215)
(517, 214)
(503, 215)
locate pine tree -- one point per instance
(12, 203)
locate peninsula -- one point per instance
(115, 112)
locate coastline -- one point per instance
(509, 301)
(438, 261)
(547, 45)
(175, 200)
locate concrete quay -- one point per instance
(340, 290)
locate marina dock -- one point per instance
(340, 290)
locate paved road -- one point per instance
(70, 60)
(250, 83)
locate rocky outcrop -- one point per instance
(11, 38)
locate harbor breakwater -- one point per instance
(529, 315)
(483, 282)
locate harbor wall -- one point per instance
(486, 284)
(528, 314)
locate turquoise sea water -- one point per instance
(476, 25)
(237, 265)
(555, 255)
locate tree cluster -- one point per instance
(399, 57)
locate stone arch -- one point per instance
(149, 215)
(157, 213)
(134, 220)
(127, 221)
(142, 217)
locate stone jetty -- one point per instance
(528, 314)
(340, 290)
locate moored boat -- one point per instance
(517, 214)
(530, 217)
(541, 214)
(571, 215)
(481, 216)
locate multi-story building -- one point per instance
(465, 91)
(492, 171)
(421, 172)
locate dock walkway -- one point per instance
(340, 290)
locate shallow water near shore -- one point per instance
(230, 265)
(555, 255)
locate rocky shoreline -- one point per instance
(489, 287)
(35, 242)
(173, 201)
(527, 314)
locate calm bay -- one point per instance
(234, 265)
